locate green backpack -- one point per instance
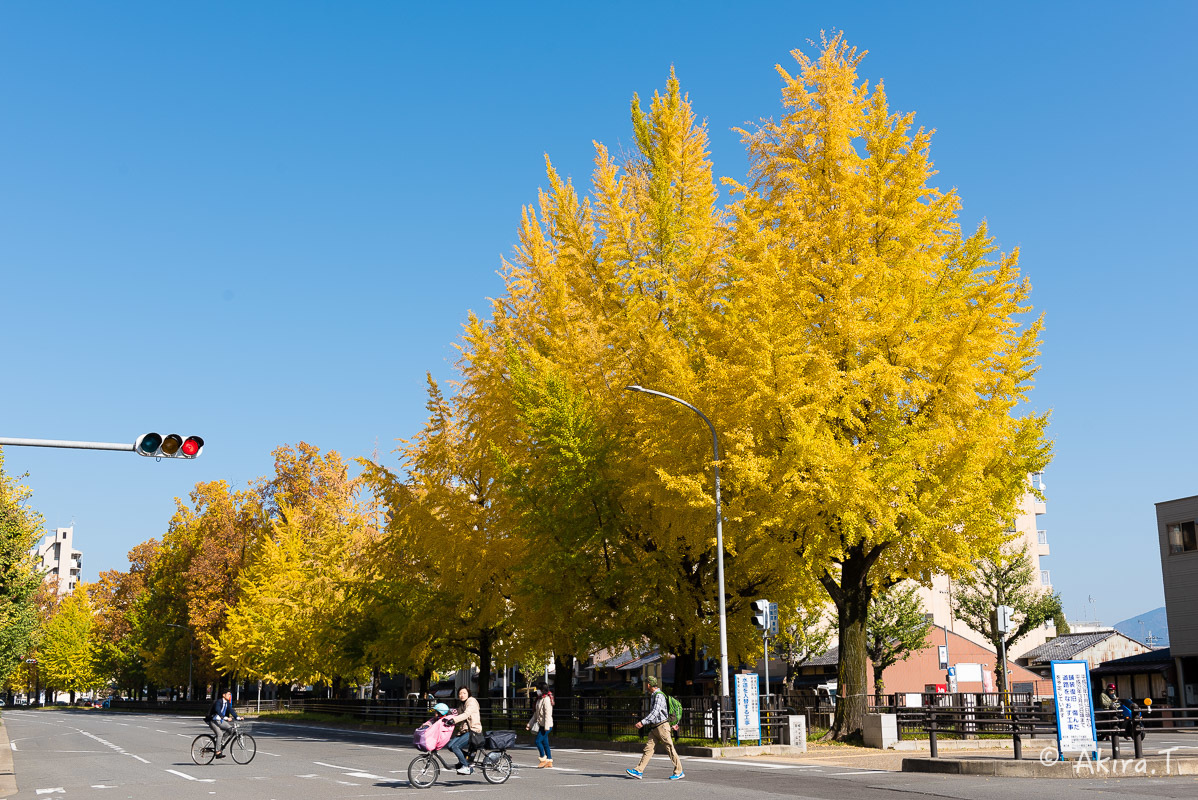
(673, 710)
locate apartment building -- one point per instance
(1028, 530)
(60, 561)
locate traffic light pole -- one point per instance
(150, 445)
(765, 638)
(10, 442)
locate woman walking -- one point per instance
(541, 723)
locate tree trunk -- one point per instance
(852, 595)
(484, 671)
(563, 675)
(879, 686)
(426, 680)
(684, 670)
(376, 675)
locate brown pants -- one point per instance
(659, 733)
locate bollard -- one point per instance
(932, 735)
(1137, 739)
(1016, 738)
(1115, 742)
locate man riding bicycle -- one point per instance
(218, 720)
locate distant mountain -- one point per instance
(1139, 626)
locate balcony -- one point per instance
(1042, 547)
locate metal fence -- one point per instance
(606, 717)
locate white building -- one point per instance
(1028, 531)
(61, 562)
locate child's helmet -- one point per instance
(441, 709)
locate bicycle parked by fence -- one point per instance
(240, 745)
(432, 736)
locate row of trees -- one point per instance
(866, 364)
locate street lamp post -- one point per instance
(189, 649)
(719, 532)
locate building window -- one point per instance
(1181, 537)
(1045, 580)
(1042, 537)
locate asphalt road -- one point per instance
(96, 754)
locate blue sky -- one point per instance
(264, 222)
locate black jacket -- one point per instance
(218, 706)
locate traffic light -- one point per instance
(172, 445)
(761, 614)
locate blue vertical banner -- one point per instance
(1076, 732)
(748, 707)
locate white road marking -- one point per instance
(56, 790)
(575, 785)
(13, 745)
(139, 758)
(190, 778)
(334, 766)
(367, 775)
(313, 775)
(101, 786)
(348, 783)
(862, 772)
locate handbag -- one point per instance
(534, 726)
(477, 740)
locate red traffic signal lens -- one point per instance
(149, 443)
(192, 445)
(171, 444)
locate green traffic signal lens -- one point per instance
(150, 443)
(171, 444)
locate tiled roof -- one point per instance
(830, 657)
(1065, 647)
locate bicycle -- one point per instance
(492, 759)
(240, 745)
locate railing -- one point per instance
(1021, 722)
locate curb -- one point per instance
(8, 774)
(1084, 768)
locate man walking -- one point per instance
(218, 721)
(658, 723)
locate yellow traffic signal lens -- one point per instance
(171, 444)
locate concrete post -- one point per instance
(796, 731)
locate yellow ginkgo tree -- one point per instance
(882, 358)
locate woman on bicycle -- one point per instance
(469, 721)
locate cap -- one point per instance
(652, 681)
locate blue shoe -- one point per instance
(679, 775)
(635, 774)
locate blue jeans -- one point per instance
(542, 741)
(458, 744)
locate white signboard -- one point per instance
(748, 707)
(1075, 708)
(969, 673)
(914, 699)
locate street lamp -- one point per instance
(189, 648)
(719, 532)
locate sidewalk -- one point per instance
(8, 776)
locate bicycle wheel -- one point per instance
(423, 771)
(243, 748)
(497, 767)
(203, 749)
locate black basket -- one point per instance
(500, 740)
